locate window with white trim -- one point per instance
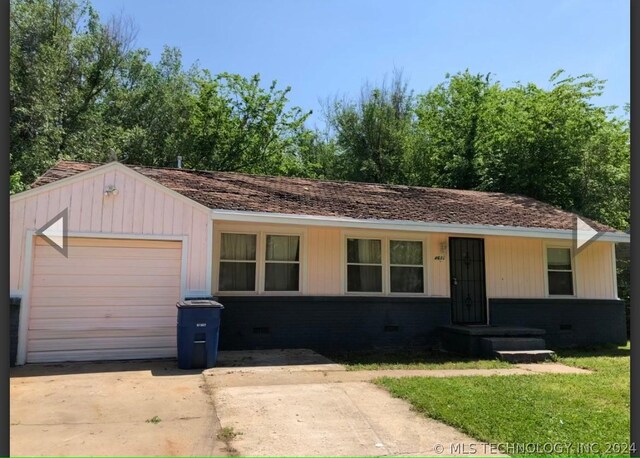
(282, 263)
(385, 265)
(406, 266)
(259, 263)
(238, 262)
(559, 271)
(364, 265)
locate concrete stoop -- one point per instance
(512, 344)
(489, 345)
(525, 356)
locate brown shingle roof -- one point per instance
(299, 196)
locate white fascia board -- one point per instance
(414, 226)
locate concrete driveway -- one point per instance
(314, 409)
(291, 402)
(124, 408)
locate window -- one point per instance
(282, 263)
(259, 263)
(559, 272)
(238, 262)
(406, 266)
(364, 265)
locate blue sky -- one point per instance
(325, 48)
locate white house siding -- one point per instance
(323, 278)
(595, 272)
(514, 265)
(139, 209)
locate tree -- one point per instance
(150, 107)
(318, 157)
(236, 125)
(447, 128)
(556, 146)
(373, 134)
(63, 59)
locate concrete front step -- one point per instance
(489, 345)
(525, 356)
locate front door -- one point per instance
(467, 276)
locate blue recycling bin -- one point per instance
(198, 333)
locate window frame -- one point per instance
(423, 266)
(386, 238)
(347, 264)
(261, 245)
(220, 261)
(266, 234)
(546, 247)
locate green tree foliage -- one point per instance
(373, 133)
(236, 125)
(63, 60)
(469, 132)
(446, 132)
(79, 91)
(556, 146)
(148, 108)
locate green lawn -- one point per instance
(534, 409)
(418, 359)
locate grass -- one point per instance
(227, 435)
(418, 359)
(586, 414)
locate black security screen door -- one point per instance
(467, 276)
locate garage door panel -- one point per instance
(102, 355)
(80, 291)
(37, 334)
(106, 242)
(168, 267)
(110, 299)
(109, 281)
(108, 253)
(91, 324)
(98, 301)
(121, 310)
(103, 343)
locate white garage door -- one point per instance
(110, 299)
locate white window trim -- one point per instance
(425, 286)
(261, 243)
(386, 265)
(265, 262)
(381, 265)
(218, 241)
(545, 247)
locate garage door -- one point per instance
(110, 299)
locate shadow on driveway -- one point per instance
(156, 367)
(169, 367)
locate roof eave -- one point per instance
(414, 226)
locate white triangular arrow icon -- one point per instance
(55, 232)
(584, 232)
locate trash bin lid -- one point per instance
(199, 303)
